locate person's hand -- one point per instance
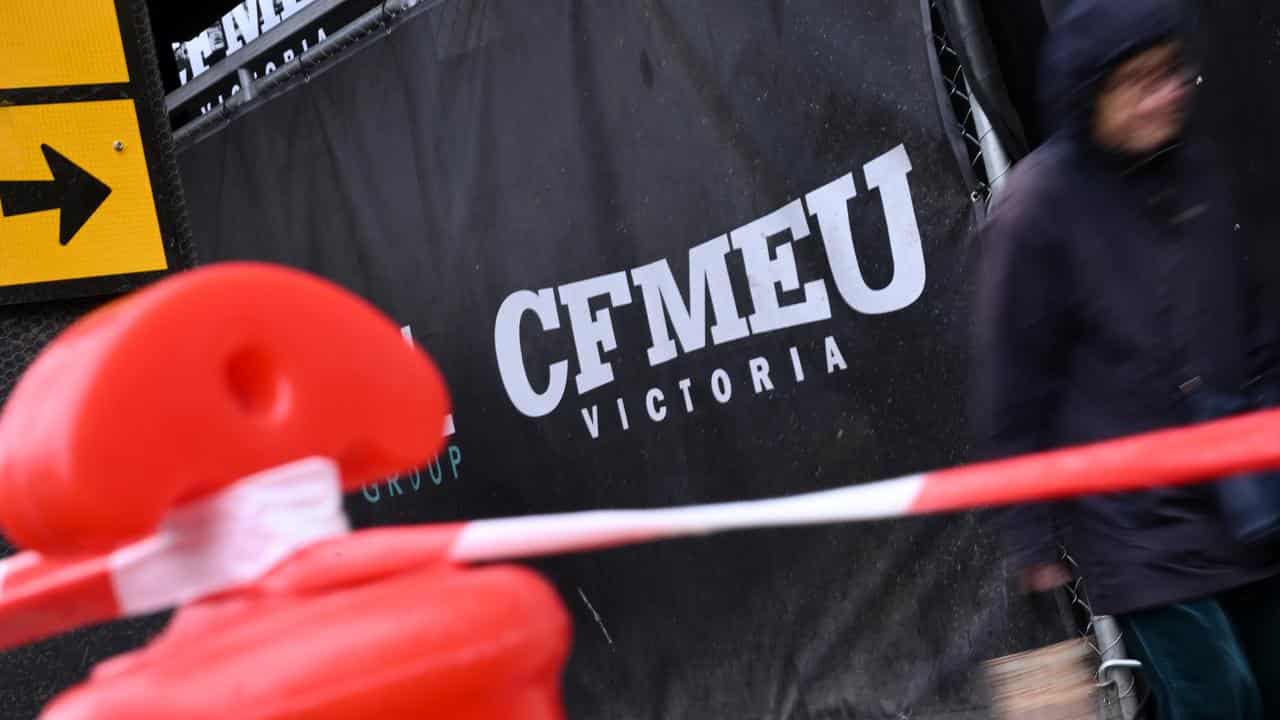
(1045, 577)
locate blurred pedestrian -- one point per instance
(1113, 300)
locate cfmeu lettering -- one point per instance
(239, 27)
(588, 303)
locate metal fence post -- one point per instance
(1116, 668)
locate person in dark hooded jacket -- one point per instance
(1111, 299)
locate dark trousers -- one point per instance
(1217, 658)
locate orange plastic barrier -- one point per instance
(185, 387)
(124, 453)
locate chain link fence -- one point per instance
(976, 133)
(1119, 687)
(1119, 693)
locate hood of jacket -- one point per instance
(1087, 41)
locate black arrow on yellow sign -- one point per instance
(72, 190)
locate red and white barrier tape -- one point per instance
(239, 535)
(229, 539)
(1168, 457)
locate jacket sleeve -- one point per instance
(1020, 355)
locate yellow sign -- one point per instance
(78, 213)
(120, 235)
(60, 42)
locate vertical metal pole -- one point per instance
(994, 159)
(1107, 632)
(246, 84)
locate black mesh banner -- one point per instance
(665, 253)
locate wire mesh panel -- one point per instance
(1117, 676)
(963, 104)
(1021, 681)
